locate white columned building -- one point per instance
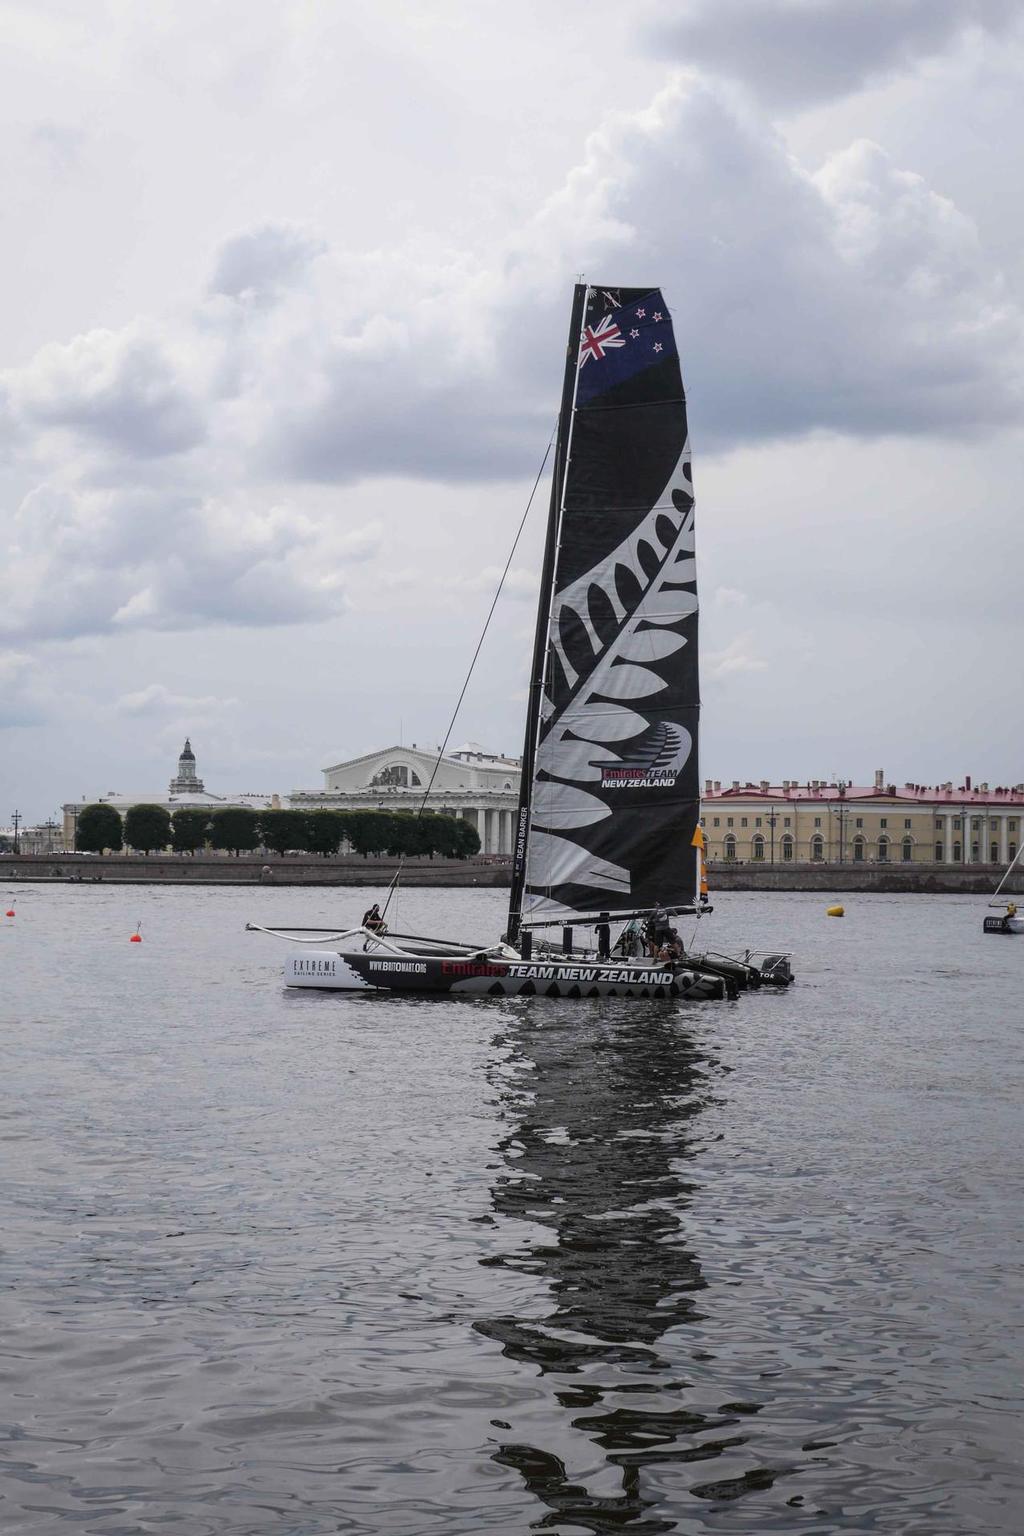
(469, 783)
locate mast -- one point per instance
(537, 669)
(1006, 875)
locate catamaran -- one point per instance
(607, 833)
(1009, 920)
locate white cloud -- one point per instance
(89, 562)
(26, 697)
(124, 391)
(785, 322)
(156, 699)
(740, 655)
(519, 583)
(262, 262)
(60, 145)
(798, 51)
(729, 597)
(173, 467)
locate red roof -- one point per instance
(916, 794)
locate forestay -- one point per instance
(611, 786)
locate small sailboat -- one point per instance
(1009, 920)
(608, 826)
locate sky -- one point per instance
(284, 293)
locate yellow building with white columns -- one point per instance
(838, 823)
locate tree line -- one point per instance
(236, 829)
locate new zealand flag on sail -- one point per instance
(619, 343)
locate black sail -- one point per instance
(611, 788)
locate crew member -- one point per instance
(659, 930)
(628, 942)
(373, 920)
(603, 934)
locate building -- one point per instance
(47, 837)
(469, 783)
(185, 789)
(186, 781)
(838, 823)
(477, 786)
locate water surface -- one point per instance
(300, 1263)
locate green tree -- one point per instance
(99, 828)
(467, 840)
(400, 833)
(283, 831)
(190, 828)
(446, 841)
(147, 827)
(324, 832)
(368, 831)
(235, 827)
(423, 836)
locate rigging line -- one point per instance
(472, 664)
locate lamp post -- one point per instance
(771, 823)
(49, 824)
(841, 813)
(16, 823)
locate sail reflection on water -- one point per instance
(603, 1113)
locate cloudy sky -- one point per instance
(285, 288)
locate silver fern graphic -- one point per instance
(580, 745)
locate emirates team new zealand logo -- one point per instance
(656, 761)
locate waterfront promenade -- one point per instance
(485, 871)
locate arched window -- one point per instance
(908, 849)
(975, 853)
(817, 849)
(395, 776)
(757, 846)
(956, 853)
(883, 850)
(993, 853)
(730, 849)
(508, 783)
(787, 849)
(1013, 850)
(940, 854)
(858, 850)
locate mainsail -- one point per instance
(610, 797)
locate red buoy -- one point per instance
(136, 937)
(9, 912)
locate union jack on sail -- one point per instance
(596, 339)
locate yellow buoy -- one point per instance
(835, 911)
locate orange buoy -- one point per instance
(136, 937)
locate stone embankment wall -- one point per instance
(180, 869)
(891, 879)
(176, 869)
